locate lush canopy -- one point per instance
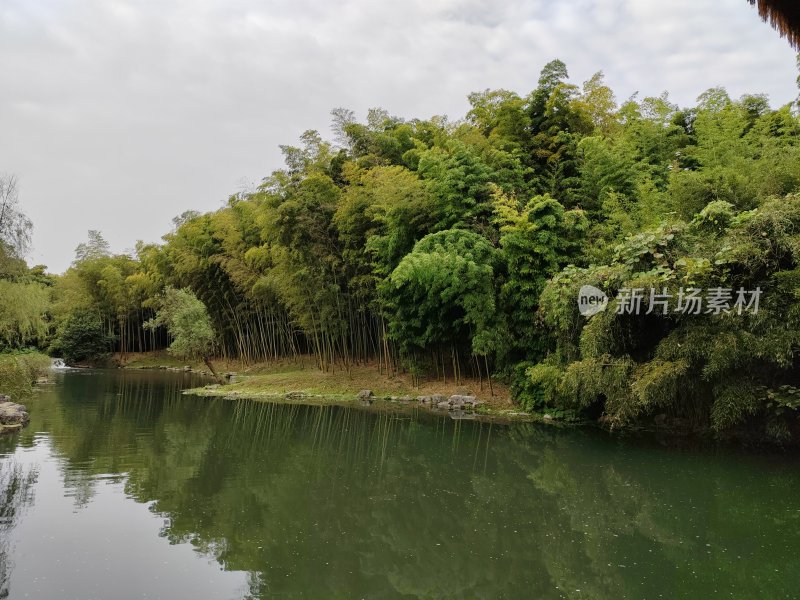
(457, 248)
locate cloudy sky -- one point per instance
(118, 115)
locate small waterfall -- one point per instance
(57, 364)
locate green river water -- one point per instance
(123, 488)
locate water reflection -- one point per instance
(322, 501)
(16, 492)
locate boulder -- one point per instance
(437, 398)
(424, 399)
(458, 400)
(13, 415)
(365, 394)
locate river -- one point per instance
(121, 487)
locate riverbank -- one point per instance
(302, 382)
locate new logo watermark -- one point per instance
(591, 300)
(687, 301)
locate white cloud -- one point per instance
(118, 115)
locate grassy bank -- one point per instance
(302, 382)
(158, 360)
(301, 379)
(19, 372)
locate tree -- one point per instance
(15, 227)
(82, 338)
(187, 321)
(555, 127)
(23, 313)
(95, 247)
(442, 294)
(459, 182)
(536, 241)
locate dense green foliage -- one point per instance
(82, 338)
(24, 292)
(188, 325)
(457, 248)
(20, 370)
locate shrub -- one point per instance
(19, 371)
(82, 338)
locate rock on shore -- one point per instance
(13, 416)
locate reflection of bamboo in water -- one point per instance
(16, 492)
(141, 397)
(344, 437)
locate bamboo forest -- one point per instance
(456, 248)
(542, 344)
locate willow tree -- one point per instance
(189, 325)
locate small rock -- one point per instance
(365, 394)
(405, 399)
(547, 417)
(187, 368)
(436, 398)
(443, 404)
(424, 399)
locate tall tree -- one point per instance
(15, 227)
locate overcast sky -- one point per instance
(118, 115)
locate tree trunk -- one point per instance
(211, 368)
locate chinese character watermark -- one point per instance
(687, 301)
